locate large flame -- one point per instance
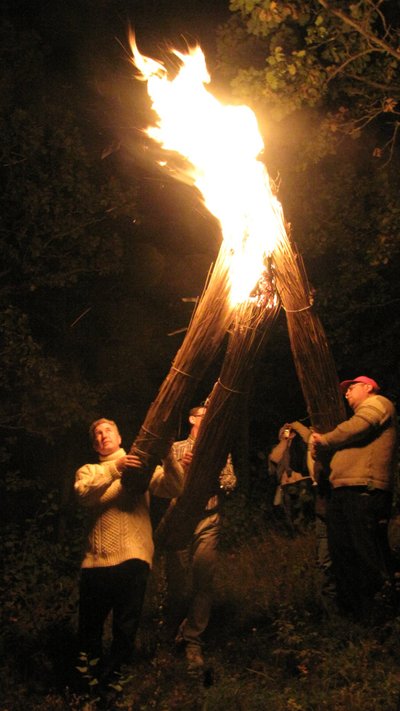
(223, 146)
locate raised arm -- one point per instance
(168, 479)
(101, 483)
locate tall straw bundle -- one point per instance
(204, 336)
(311, 352)
(253, 319)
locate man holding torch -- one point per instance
(199, 559)
(362, 466)
(119, 548)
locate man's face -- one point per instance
(356, 394)
(196, 420)
(106, 438)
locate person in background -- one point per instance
(319, 471)
(119, 547)
(190, 572)
(289, 464)
(362, 464)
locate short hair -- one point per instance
(194, 411)
(99, 422)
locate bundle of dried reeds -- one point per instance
(311, 352)
(204, 336)
(252, 322)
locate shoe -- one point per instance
(194, 657)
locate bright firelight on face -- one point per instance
(222, 144)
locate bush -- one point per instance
(39, 599)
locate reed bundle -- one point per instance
(206, 331)
(251, 324)
(312, 356)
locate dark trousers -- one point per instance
(357, 536)
(120, 589)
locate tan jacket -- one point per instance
(365, 446)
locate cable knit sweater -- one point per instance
(120, 527)
(365, 446)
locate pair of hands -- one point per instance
(132, 460)
(127, 461)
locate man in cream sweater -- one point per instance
(119, 548)
(362, 471)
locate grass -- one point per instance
(268, 647)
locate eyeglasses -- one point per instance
(352, 386)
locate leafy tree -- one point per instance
(322, 77)
(59, 214)
(338, 56)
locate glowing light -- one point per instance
(222, 145)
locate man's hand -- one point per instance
(187, 459)
(315, 443)
(129, 460)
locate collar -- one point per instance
(115, 455)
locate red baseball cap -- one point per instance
(361, 379)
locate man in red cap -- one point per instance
(363, 463)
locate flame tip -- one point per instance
(225, 152)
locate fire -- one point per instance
(223, 146)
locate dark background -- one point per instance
(105, 254)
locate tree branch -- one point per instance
(391, 144)
(374, 84)
(351, 59)
(361, 30)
